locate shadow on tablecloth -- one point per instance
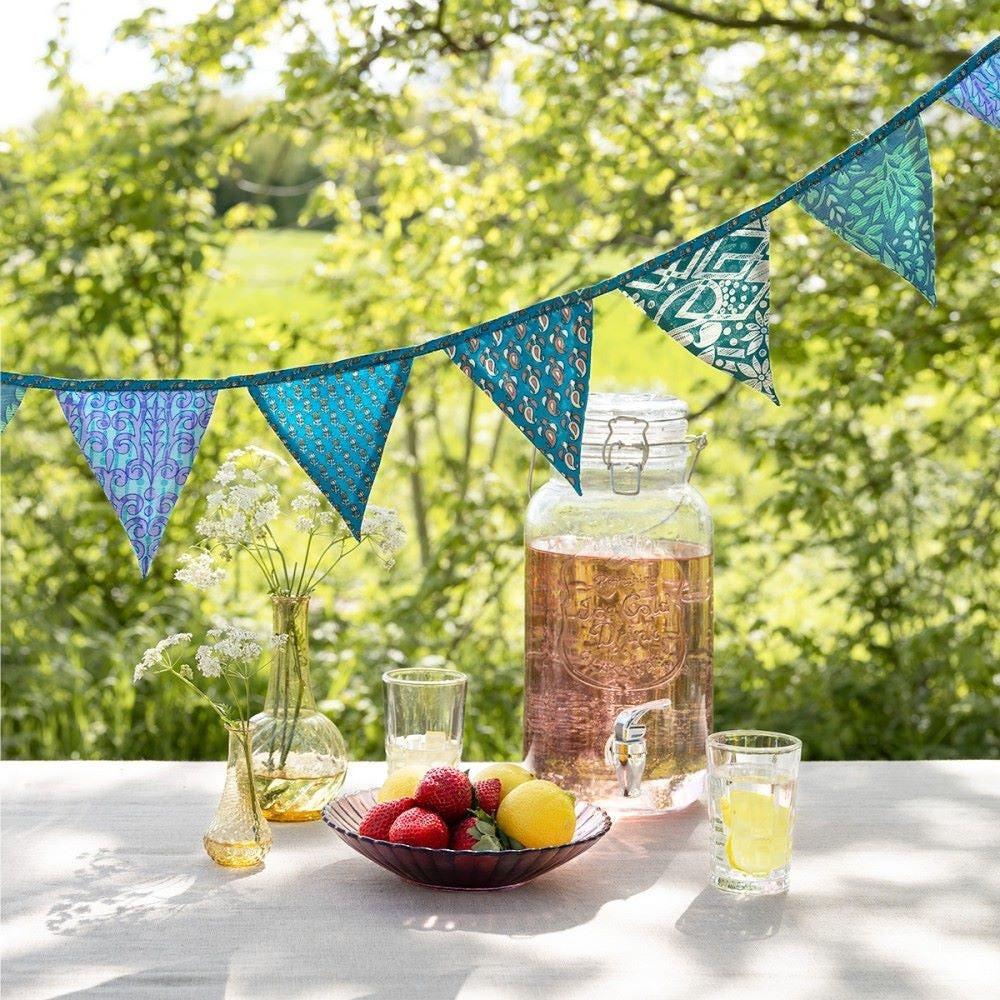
(723, 916)
(631, 859)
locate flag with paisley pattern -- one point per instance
(537, 371)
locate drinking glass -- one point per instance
(751, 809)
(424, 716)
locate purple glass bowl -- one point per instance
(445, 869)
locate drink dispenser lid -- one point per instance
(628, 432)
(663, 418)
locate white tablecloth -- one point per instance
(107, 892)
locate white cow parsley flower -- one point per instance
(200, 570)
(230, 651)
(245, 513)
(155, 658)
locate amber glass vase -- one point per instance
(239, 836)
(299, 757)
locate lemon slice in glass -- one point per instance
(759, 832)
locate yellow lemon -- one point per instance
(759, 832)
(538, 814)
(402, 783)
(510, 775)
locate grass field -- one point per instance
(269, 278)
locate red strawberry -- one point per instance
(381, 816)
(419, 828)
(463, 837)
(488, 795)
(447, 791)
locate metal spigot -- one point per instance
(625, 750)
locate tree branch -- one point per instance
(277, 190)
(718, 398)
(479, 42)
(766, 20)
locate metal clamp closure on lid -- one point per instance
(697, 442)
(611, 447)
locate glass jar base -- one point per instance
(744, 884)
(246, 854)
(292, 816)
(287, 798)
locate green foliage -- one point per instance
(479, 157)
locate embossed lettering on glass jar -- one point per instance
(619, 606)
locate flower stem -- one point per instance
(244, 738)
(357, 545)
(281, 556)
(288, 732)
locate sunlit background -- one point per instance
(300, 182)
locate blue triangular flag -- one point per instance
(141, 446)
(335, 426)
(979, 92)
(715, 302)
(10, 400)
(537, 371)
(882, 202)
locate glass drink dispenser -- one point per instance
(618, 613)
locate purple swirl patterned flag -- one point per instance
(140, 446)
(10, 400)
(979, 92)
(335, 427)
(538, 373)
(715, 303)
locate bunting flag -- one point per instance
(10, 400)
(715, 303)
(537, 371)
(882, 203)
(335, 426)
(979, 92)
(711, 294)
(140, 446)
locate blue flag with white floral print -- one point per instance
(715, 302)
(335, 426)
(10, 400)
(979, 93)
(140, 445)
(537, 371)
(882, 203)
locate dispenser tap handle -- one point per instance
(625, 750)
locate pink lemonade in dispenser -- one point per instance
(618, 604)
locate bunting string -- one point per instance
(987, 54)
(710, 294)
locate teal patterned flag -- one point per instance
(335, 426)
(537, 371)
(10, 400)
(715, 302)
(979, 92)
(882, 203)
(140, 446)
